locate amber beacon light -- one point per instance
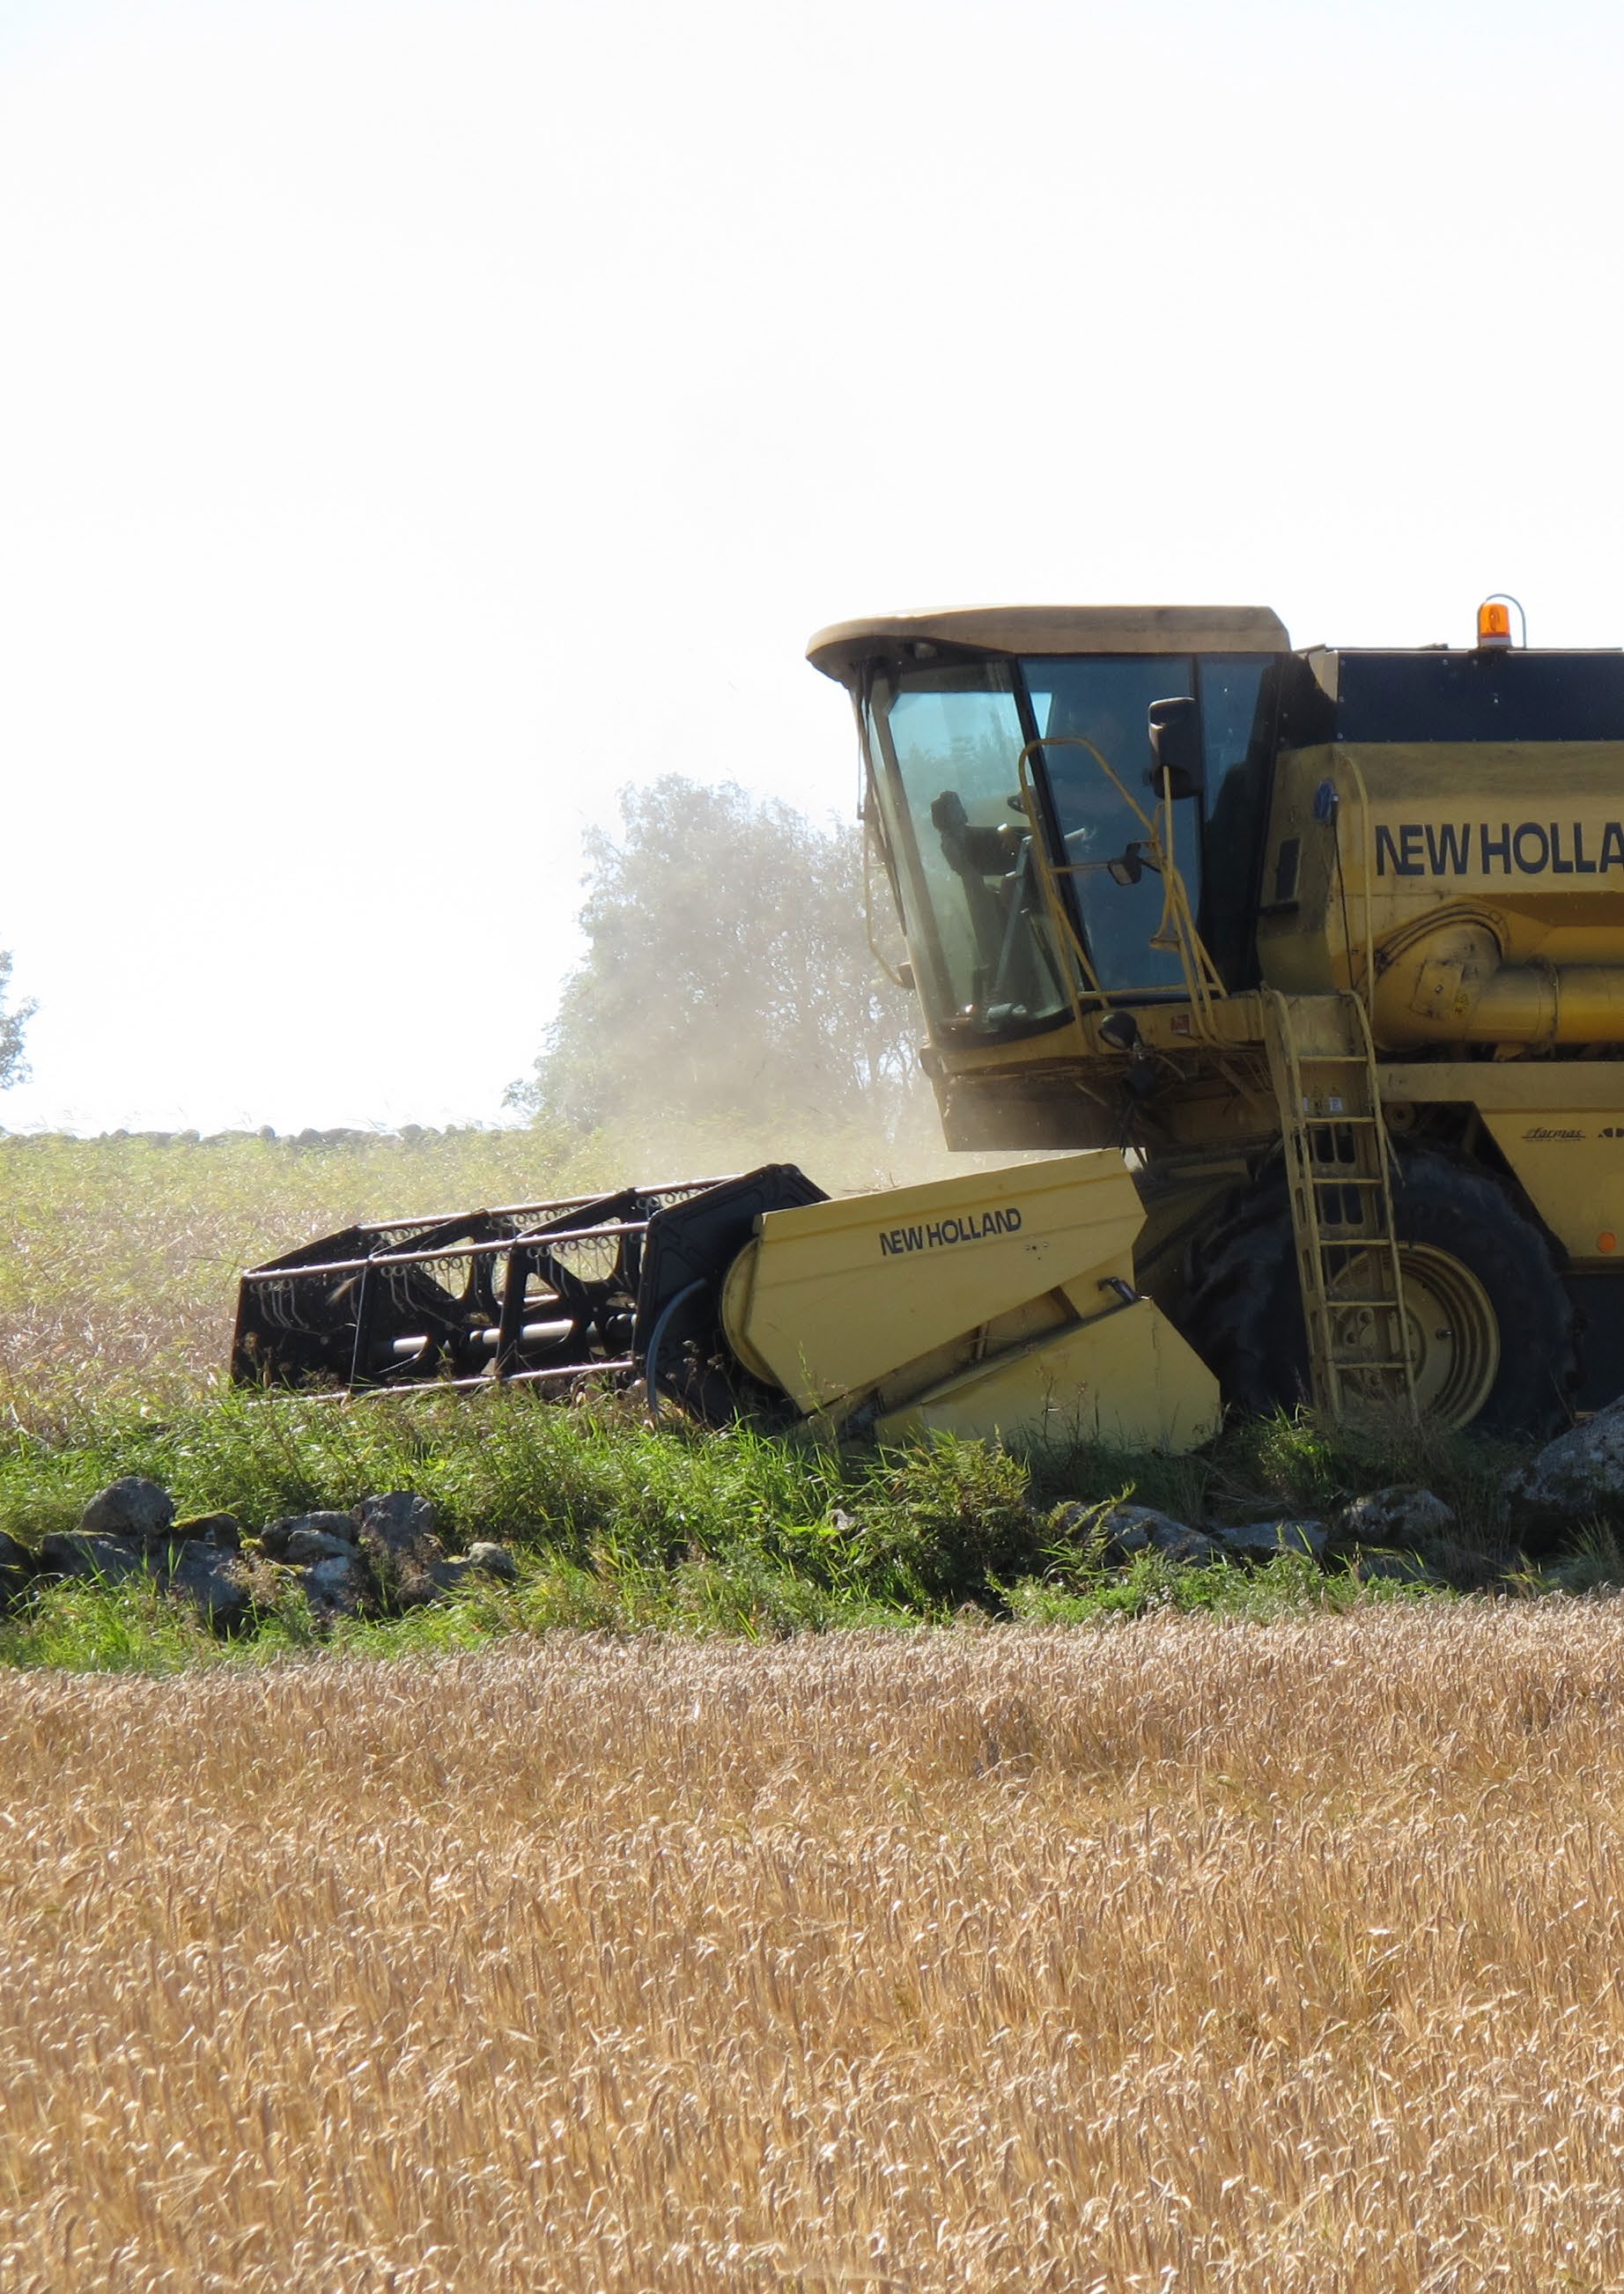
(1494, 623)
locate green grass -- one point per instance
(928, 1524)
(620, 1528)
(1287, 1585)
(130, 1628)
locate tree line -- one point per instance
(726, 976)
(14, 1021)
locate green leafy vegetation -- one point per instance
(620, 1528)
(1289, 1584)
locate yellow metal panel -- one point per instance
(1127, 1379)
(1571, 1162)
(983, 1303)
(830, 1297)
(1596, 1086)
(1530, 830)
(1530, 833)
(1476, 885)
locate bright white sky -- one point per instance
(417, 420)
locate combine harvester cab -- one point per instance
(1000, 1305)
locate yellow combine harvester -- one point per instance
(1334, 939)
(1330, 942)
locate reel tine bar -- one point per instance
(535, 1292)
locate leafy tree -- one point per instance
(13, 1066)
(727, 977)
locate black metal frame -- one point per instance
(539, 1294)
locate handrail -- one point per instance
(1176, 933)
(1367, 874)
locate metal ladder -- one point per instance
(1322, 1063)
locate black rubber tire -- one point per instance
(1245, 1312)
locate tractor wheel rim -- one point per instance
(1452, 1334)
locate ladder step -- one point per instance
(1328, 1091)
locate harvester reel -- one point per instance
(550, 1294)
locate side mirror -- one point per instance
(1175, 747)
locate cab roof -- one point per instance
(841, 649)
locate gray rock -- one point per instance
(1260, 1539)
(1466, 1566)
(215, 1582)
(467, 1572)
(131, 1506)
(77, 1553)
(275, 1536)
(400, 1522)
(223, 1530)
(1129, 1529)
(338, 1587)
(410, 1586)
(304, 1545)
(397, 1537)
(1403, 1515)
(1581, 1472)
(17, 1567)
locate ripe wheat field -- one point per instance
(1186, 1954)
